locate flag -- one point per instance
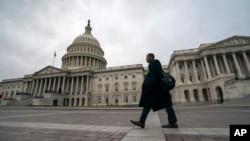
(55, 54)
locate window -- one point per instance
(99, 88)
(116, 100)
(125, 76)
(182, 79)
(133, 76)
(107, 88)
(99, 100)
(126, 86)
(100, 79)
(134, 98)
(107, 78)
(116, 78)
(126, 99)
(134, 85)
(116, 87)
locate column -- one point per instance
(27, 86)
(77, 79)
(49, 84)
(36, 88)
(40, 87)
(87, 85)
(89, 61)
(86, 58)
(247, 61)
(80, 60)
(75, 101)
(207, 67)
(177, 72)
(67, 85)
(90, 84)
(226, 63)
(33, 85)
(203, 70)
(58, 84)
(71, 88)
(186, 73)
(86, 100)
(30, 88)
(237, 64)
(63, 85)
(44, 88)
(70, 101)
(216, 65)
(195, 72)
(54, 83)
(24, 87)
(80, 101)
(82, 85)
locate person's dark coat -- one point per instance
(152, 95)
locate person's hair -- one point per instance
(151, 55)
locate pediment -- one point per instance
(48, 70)
(232, 41)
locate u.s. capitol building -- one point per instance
(211, 73)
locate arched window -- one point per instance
(116, 87)
(134, 85)
(126, 86)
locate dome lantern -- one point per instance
(88, 28)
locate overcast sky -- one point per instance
(31, 30)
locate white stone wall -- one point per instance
(237, 89)
(10, 88)
(119, 86)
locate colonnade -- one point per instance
(60, 84)
(83, 61)
(207, 67)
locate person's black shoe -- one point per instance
(138, 123)
(175, 125)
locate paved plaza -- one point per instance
(196, 123)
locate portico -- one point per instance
(209, 65)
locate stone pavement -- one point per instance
(151, 132)
(196, 123)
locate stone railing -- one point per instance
(124, 67)
(186, 51)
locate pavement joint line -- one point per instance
(36, 115)
(120, 129)
(197, 131)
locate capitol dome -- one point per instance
(84, 52)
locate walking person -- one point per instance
(152, 97)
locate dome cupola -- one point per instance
(84, 52)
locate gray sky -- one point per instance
(31, 30)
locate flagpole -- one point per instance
(54, 59)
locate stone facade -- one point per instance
(211, 73)
(202, 74)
